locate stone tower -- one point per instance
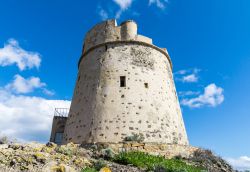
(125, 85)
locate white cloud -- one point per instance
(123, 4)
(242, 163)
(190, 78)
(12, 53)
(22, 85)
(48, 92)
(103, 14)
(159, 3)
(27, 118)
(181, 72)
(190, 75)
(212, 96)
(188, 93)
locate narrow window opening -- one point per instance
(122, 81)
(146, 85)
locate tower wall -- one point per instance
(58, 126)
(104, 110)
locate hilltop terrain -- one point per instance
(38, 157)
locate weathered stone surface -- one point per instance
(3, 146)
(40, 157)
(105, 110)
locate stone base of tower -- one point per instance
(166, 150)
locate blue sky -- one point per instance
(208, 42)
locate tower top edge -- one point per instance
(109, 31)
(127, 21)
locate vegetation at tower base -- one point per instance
(37, 157)
(154, 163)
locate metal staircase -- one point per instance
(61, 112)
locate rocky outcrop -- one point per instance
(36, 157)
(209, 161)
(40, 157)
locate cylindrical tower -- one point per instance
(125, 86)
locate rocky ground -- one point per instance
(72, 158)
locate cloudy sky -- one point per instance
(208, 41)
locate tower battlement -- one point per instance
(109, 31)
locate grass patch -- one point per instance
(88, 169)
(154, 163)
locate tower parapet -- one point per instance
(128, 30)
(109, 32)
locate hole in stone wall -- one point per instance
(122, 81)
(146, 85)
(122, 96)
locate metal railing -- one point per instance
(61, 112)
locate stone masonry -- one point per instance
(124, 86)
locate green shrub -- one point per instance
(175, 140)
(64, 150)
(4, 140)
(88, 169)
(99, 164)
(135, 137)
(107, 153)
(93, 147)
(154, 163)
(159, 168)
(96, 166)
